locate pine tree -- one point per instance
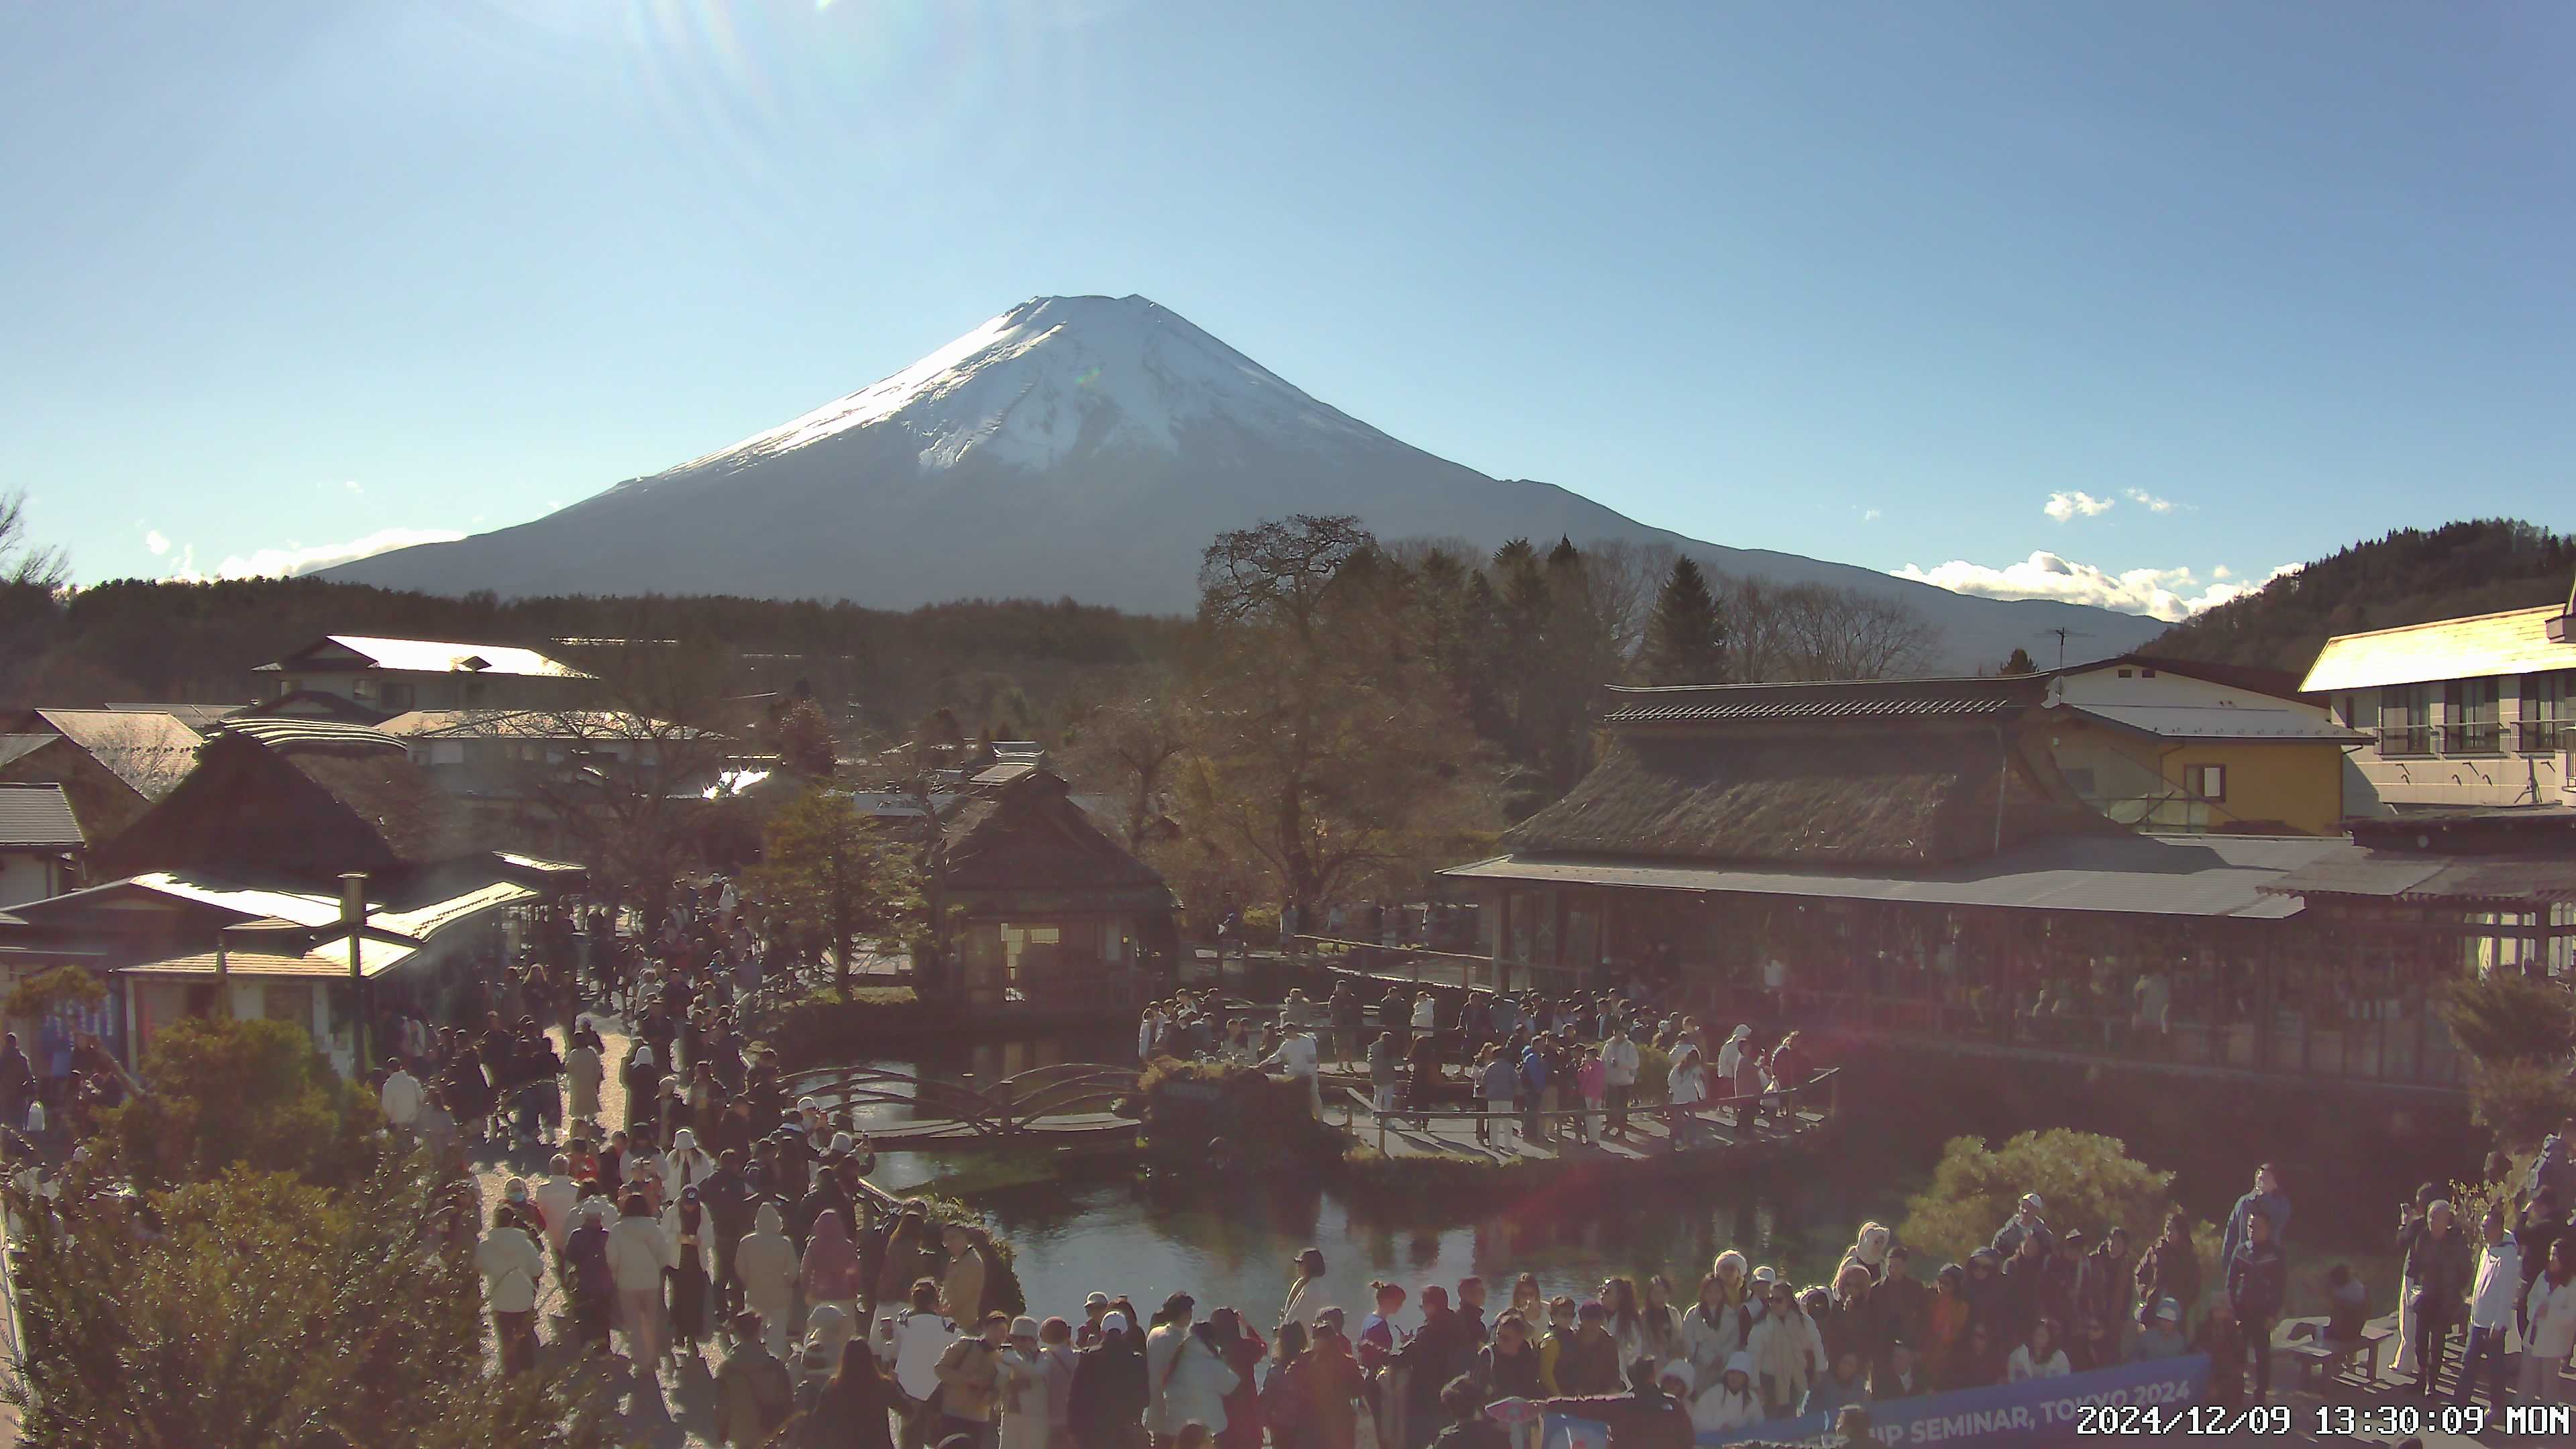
(2019, 663)
(1686, 636)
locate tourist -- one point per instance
(684, 1224)
(962, 1287)
(400, 1097)
(2162, 1337)
(2543, 1222)
(2025, 1222)
(1379, 1337)
(1537, 1092)
(1901, 1298)
(1422, 1076)
(1384, 1072)
(2348, 1304)
(2551, 1311)
(1344, 1010)
(909, 1344)
(686, 1166)
(583, 1072)
(638, 1255)
(726, 1192)
(1645, 1417)
(2106, 1285)
(2225, 1341)
(1026, 1423)
(1587, 1363)
(2411, 1222)
(1187, 1376)
(1242, 1349)
(1741, 1064)
(1311, 1404)
(1508, 1368)
(588, 1283)
(2495, 1295)
(851, 1410)
(512, 1268)
(1591, 1086)
(1719, 1326)
(1462, 1400)
(1854, 1318)
(1057, 1364)
(1500, 1081)
(2170, 1269)
(755, 1394)
(1901, 1377)
(1945, 1320)
(1528, 1301)
(2021, 1299)
(1440, 1350)
(1978, 1364)
(2094, 1346)
(765, 1262)
(554, 1197)
(2266, 1198)
(2436, 1281)
(1302, 1275)
(1554, 1340)
(1619, 1065)
(1845, 1383)
(1297, 1058)
(1788, 1353)
(970, 1382)
(2037, 1356)
(1686, 1087)
(1728, 1400)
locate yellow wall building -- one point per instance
(2183, 748)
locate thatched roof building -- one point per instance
(1032, 899)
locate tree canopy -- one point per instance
(252, 1093)
(1686, 636)
(2088, 1181)
(835, 879)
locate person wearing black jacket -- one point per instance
(1468, 1428)
(1643, 1418)
(1438, 1352)
(2436, 1284)
(727, 1196)
(1106, 1405)
(2543, 1224)
(2258, 1282)
(1508, 1367)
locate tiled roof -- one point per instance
(285, 732)
(37, 817)
(1840, 700)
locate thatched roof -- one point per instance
(302, 798)
(1878, 797)
(1027, 834)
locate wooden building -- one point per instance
(1031, 901)
(113, 764)
(40, 843)
(1905, 858)
(291, 845)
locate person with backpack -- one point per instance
(754, 1392)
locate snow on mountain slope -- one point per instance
(1056, 373)
(1087, 447)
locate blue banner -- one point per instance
(2008, 1416)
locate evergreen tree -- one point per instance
(2019, 663)
(1686, 635)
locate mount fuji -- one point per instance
(1087, 447)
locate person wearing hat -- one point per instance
(1747, 1072)
(2025, 1222)
(1729, 1400)
(970, 1382)
(1109, 1392)
(2162, 1337)
(1095, 1307)
(1302, 1274)
(1026, 1421)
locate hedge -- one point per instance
(1190, 1105)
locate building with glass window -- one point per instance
(2473, 712)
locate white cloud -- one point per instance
(2168, 594)
(2150, 502)
(296, 558)
(153, 540)
(352, 485)
(2063, 506)
(1869, 515)
(2222, 572)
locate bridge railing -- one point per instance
(1824, 1086)
(1005, 1107)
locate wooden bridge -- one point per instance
(1070, 1101)
(1721, 1131)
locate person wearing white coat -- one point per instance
(1026, 1420)
(638, 1254)
(1731, 1401)
(2552, 1333)
(765, 1261)
(1186, 1380)
(1788, 1352)
(1297, 1057)
(686, 1165)
(1687, 1087)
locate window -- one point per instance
(2128, 674)
(2469, 717)
(2209, 782)
(2405, 720)
(2548, 712)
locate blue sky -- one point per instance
(2142, 289)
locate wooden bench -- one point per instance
(2303, 1342)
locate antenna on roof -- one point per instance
(2063, 634)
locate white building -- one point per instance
(2473, 712)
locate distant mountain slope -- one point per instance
(2409, 576)
(1083, 447)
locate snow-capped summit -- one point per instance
(1082, 447)
(1057, 375)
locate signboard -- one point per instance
(2009, 1416)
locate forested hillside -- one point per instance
(2408, 577)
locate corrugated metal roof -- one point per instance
(2513, 642)
(2397, 875)
(2222, 722)
(1832, 700)
(430, 656)
(2157, 875)
(37, 817)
